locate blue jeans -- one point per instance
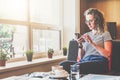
(89, 64)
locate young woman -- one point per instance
(96, 45)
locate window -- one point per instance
(20, 41)
(35, 25)
(45, 11)
(13, 39)
(13, 9)
(44, 39)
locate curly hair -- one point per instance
(99, 19)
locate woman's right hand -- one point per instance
(80, 40)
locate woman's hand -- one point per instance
(87, 38)
(80, 40)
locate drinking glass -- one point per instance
(75, 73)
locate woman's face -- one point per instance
(90, 21)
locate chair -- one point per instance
(88, 67)
(73, 50)
(115, 57)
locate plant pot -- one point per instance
(2, 62)
(29, 58)
(65, 52)
(50, 55)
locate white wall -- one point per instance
(71, 20)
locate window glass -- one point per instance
(20, 41)
(13, 9)
(45, 11)
(44, 39)
(14, 39)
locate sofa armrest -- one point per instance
(115, 56)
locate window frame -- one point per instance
(33, 25)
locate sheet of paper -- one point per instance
(100, 77)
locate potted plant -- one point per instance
(50, 52)
(64, 51)
(29, 55)
(3, 58)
